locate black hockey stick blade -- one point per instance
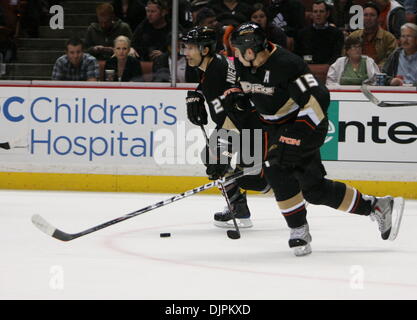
(233, 234)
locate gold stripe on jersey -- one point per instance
(290, 204)
(289, 107)
(229, 125)
(313, 110)
(348, 200)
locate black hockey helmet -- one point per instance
(203, 37)
(249, 35)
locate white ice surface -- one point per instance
(130, 261)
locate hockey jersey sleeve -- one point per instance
(312, 97)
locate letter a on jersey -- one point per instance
(266, 78)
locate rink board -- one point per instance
(131, 138)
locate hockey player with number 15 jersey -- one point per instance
(293, 107)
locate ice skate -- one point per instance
(300, 239)
(242, 214)
(387, 211)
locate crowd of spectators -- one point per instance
(319, 31)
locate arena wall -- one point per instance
(134, 137)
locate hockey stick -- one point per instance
(232, 234)
(367, 93)
(50, 230)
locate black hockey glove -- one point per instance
(196, 110)
(217, 159)
(286, 152)
(236, 99)
(216, 171)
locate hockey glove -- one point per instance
(236, 99)
(216, 171)
(217, 159)
(286, 152)
(196, 110)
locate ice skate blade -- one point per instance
(397, 214)
(302, 250)
(242, 223)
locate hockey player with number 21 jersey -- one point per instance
(293, 108)
(218, 76)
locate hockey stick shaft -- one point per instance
(47, 228)
(233, 234)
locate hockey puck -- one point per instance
(164, 235)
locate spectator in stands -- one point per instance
(75, 65)
(341, 15)
(162, 66)
(2, 17)
(273, 33)
(185, 17)
(126, 68)
(289, 15)
(410, 7)
(392, 16)
(31, 14)
(196, 7)
(149, 37)
(232, 7)
(320, 43)
(7, 45)
(100, 36)
(226, 19)
(377, 42)
(130, 11)
(206, 17)
(401, 65)
(354, 68)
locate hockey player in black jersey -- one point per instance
(293, 107)
(217, 77)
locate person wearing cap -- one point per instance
(149, 37)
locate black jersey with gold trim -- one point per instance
(283, 89)
(219, 77)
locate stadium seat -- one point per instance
(147, 70)
(319, 71)
(101, 66)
